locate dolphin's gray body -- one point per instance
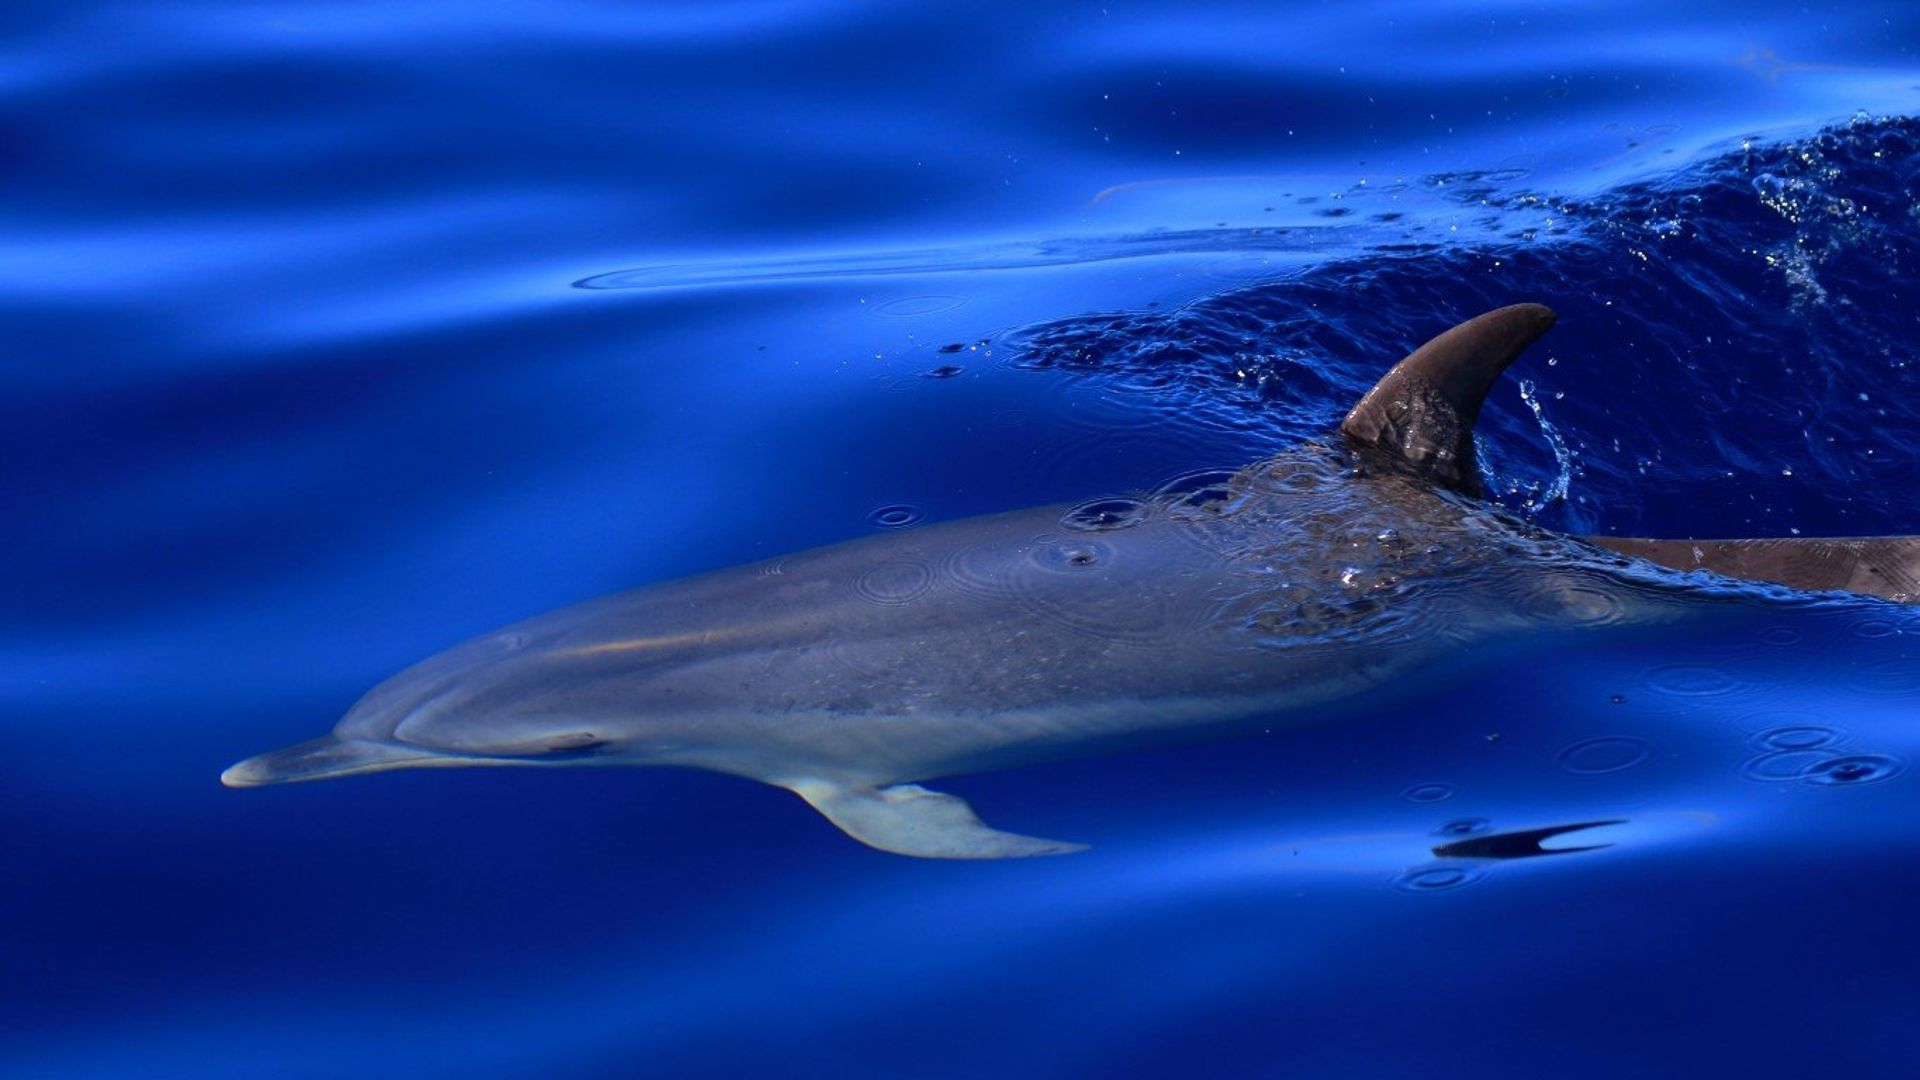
(848, 673)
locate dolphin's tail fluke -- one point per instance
(1420, 415)
(1883, 566)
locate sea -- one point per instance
(337, 333)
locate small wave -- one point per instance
(1734, 317)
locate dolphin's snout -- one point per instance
(321, 759)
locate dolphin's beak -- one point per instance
(323, 759)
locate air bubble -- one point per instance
(1428, 793)
(1853, 769)
(895, 516)
(1604, 754)
(1435, 879)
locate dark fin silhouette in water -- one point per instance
(1420, 415)
(1883, 566)
(1525, 844)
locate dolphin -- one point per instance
(851, 673)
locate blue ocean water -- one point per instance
(341, 332)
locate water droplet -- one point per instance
(1617, 699)
(1853, 769)
(1472, 826)
(1603, 754)
(1428, 793)
(895, 516)
(1435, 878)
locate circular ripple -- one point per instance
(1428, 793)
(1796, 737)
(895, 516)
(1072, 556)
(1582, 605)
(1874, 628)
(984, 569)
(1890, 676)
(1197, 485)
(1783, 765)
(1067, 580)
(1780, 636)
(1853, 769)
(1692, 680)
(1435, 878)
(1472, 826)
(1060, 581)
(908, 307)
(895, 583)
(1102, 515)
(944, 371)
(1604, 754)
(1590, 606)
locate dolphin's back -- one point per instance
(1883, 566)
(988, 641)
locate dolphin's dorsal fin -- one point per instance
(1420, 416)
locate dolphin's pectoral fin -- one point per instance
(907, 819)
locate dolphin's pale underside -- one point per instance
(849, 673)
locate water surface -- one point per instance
(342, 332)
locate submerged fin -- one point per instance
(907, 819)
(1883, 566)
(1421, 413)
